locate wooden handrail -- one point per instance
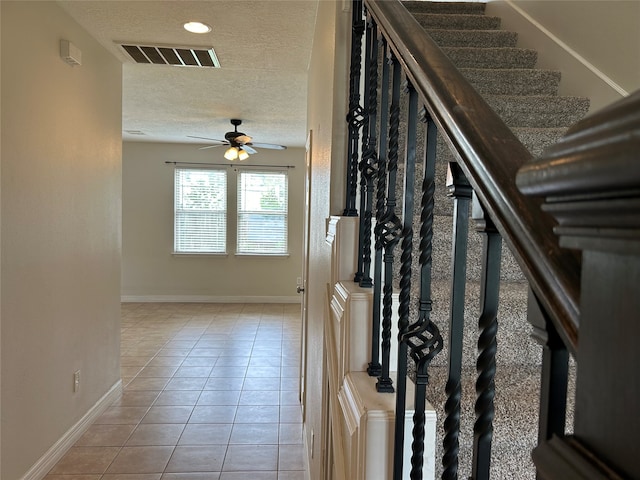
(597, 155)
(490, 156)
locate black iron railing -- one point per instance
(410, 86)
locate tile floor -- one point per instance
(210, 393)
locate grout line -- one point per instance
(266, 325)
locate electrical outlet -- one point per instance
(76, 380)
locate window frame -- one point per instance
(242, 211)
(179, 184)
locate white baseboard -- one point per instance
(207, 299)
(57, 451)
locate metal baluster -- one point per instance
(555, 372)
(390, 225)
(424, 339)
(375, 369)
(488, 326)
(460, 190)
(368, 163)
(354, 117)
(405, 279)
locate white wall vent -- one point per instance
(70, 53)
(171, 55)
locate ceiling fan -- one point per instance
(240, 144)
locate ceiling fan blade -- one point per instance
(243, 139)
(223, 142)
(268, 145)
(211, 146)
(248, 149)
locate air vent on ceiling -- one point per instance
(167, 55)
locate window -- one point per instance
(200, 211)
(262, 212)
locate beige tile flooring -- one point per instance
(210, 392)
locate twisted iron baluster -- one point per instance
(355, 115)
(375, 368)
(368, 163)
(405, 279)
(390, 227)
(424, 339)
(488, 325)
(460, 190)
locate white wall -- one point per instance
(151, 272)
(60, 224)
(327, 108)
(595, 44)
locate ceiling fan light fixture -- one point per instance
(197, 27)
(232, 153)
(242, 155)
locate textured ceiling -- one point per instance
(264, 49)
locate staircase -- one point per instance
(527, 100)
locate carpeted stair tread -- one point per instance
(537, 139)
(457, 22)
(472, 8)
(473, 38)
(539, 111)
(513, 81)
(508, 57)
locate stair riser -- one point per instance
(463, 57)
(536, 140)
(473, 38)
(539, 111)
(468, 8)
(513, 81)
(457, 22)
(535, 111)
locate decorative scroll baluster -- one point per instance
(390, 226)
(488, 326)
(375, 369)
(368, 162)
(424, 339)
(405, 278)
(354, 117)
(460, 190)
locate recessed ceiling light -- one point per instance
(197, 27)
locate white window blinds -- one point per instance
(262, 212)
(200, 211)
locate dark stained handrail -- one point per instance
(490, 155)
(598, 154)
